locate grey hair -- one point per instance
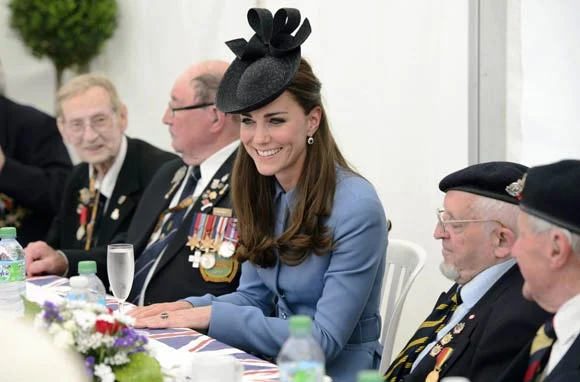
(540, 226)
(205, 87)
(487, 208)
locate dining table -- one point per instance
(177, 344)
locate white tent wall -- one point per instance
(543, 81)
(395, 85)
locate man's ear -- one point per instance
(60, 125)
(561, 249)
(504, 241)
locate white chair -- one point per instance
(405, 260)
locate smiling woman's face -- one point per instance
(275, 137)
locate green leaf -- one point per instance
(141, 368)
(31, 309)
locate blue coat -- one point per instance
(339, 290)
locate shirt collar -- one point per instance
(107, 185)
(211, 165)
(566, 322)
(474, 290)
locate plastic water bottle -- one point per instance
(97, 292)
(369, 376)
(301, 359)
(12, 274)
(78, 289)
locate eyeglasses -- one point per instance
(454, 224)
(190, 107)
(100, 123)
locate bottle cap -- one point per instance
(369, 376)
(78, 282)
(7, 233)
(300, 324)
(87, 266)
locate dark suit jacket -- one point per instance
(497, 327)
(37, 166)
(141, 162)
(174, 277)
(567, 370)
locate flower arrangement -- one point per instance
(112, 349)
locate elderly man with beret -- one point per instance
(482, 322)
(548, 253)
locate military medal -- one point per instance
(446, 339)
(228, 247)
(443, 356)
(207, 261)
(433, 376)
(212, 195)
(195, 258)
(84, 196)
(458, 328)
(191, 242)
(115, 214)
(435, 350)
(81, 232)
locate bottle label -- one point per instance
(304, 371)
(12, 271)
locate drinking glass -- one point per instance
(120, 269)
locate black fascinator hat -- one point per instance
(265, 66)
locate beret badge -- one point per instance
(516, 188)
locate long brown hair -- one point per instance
(253, 193)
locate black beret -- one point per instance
(492, 179)
(552, 192)
(265, 66)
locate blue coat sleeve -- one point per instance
(354, 272)
(251, 292)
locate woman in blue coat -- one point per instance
(312, 232)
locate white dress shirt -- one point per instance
(567, 327)
(106, 186)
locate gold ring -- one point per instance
(164, 315)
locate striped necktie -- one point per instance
(144, 262)
(436, 321)
(540, 351)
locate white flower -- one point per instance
(104, 372)
(64, 339)
(124, 319)
(84, 319)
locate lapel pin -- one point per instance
(458, 328)
(115, 214)
(471, 316)
(122, 199)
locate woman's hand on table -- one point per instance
(179, 314)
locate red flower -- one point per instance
(105, 327)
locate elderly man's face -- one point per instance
(91, 126)
(532, 250)
(467, 247)
(191, 130)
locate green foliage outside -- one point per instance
(69, 32)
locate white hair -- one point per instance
(488, 208)
(540, 226)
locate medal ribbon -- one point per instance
(95, 207)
